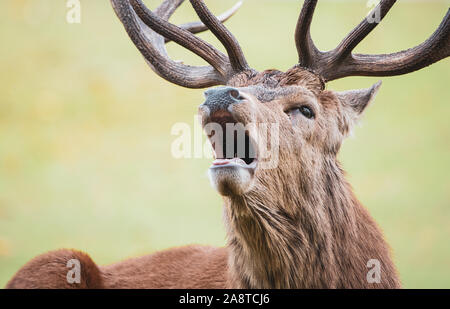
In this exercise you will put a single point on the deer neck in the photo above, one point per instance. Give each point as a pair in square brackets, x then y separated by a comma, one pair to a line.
[302, 233]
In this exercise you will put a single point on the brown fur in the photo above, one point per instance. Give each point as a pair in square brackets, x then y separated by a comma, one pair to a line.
[192, 267]
[299, 226]
[49, 271]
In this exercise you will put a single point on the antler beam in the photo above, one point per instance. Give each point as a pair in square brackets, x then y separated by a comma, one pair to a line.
[307, 51]
[340, 62]
[235, 53]
[151, 30]
[182, 37]
[198, 27]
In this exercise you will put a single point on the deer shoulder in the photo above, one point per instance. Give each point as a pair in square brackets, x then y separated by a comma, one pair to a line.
[190, 267]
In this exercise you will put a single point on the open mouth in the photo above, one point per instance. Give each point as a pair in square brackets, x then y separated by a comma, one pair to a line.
[233, 145]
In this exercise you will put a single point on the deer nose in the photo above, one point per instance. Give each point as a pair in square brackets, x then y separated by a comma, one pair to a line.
[221, 98]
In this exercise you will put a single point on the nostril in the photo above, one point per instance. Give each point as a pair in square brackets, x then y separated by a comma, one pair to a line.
[221, 98]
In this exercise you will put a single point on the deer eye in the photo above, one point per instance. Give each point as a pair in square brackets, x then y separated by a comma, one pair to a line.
[307, 112]
[304, 110]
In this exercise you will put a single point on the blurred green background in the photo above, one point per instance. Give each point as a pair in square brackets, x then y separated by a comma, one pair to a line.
[85, 139]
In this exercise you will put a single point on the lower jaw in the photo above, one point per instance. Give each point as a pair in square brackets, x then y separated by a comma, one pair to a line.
[234, 163]
[232, 179]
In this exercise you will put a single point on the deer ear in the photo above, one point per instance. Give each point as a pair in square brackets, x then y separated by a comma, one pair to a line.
[356, 101]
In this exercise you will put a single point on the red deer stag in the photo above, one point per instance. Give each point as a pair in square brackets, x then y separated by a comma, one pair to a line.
[296, 225]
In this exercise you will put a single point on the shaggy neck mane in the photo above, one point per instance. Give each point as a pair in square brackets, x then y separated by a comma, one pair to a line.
[310, 233]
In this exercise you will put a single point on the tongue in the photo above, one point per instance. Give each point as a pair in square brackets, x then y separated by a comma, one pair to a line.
[219, 162]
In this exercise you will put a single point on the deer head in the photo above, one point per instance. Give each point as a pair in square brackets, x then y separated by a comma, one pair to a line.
[313, 121]
[266, 206]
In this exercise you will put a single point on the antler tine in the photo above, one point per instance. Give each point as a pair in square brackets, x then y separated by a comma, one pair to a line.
[151, 46]
[340, 62]
[198, 27]
[363, 29]
[182, 37]
[237, 58]
[436, 48]
[166, 9]
[307, 51]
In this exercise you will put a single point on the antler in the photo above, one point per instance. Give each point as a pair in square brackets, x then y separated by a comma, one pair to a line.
[235, 53]
[198, 26]
[150, 30]
[340, 62]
